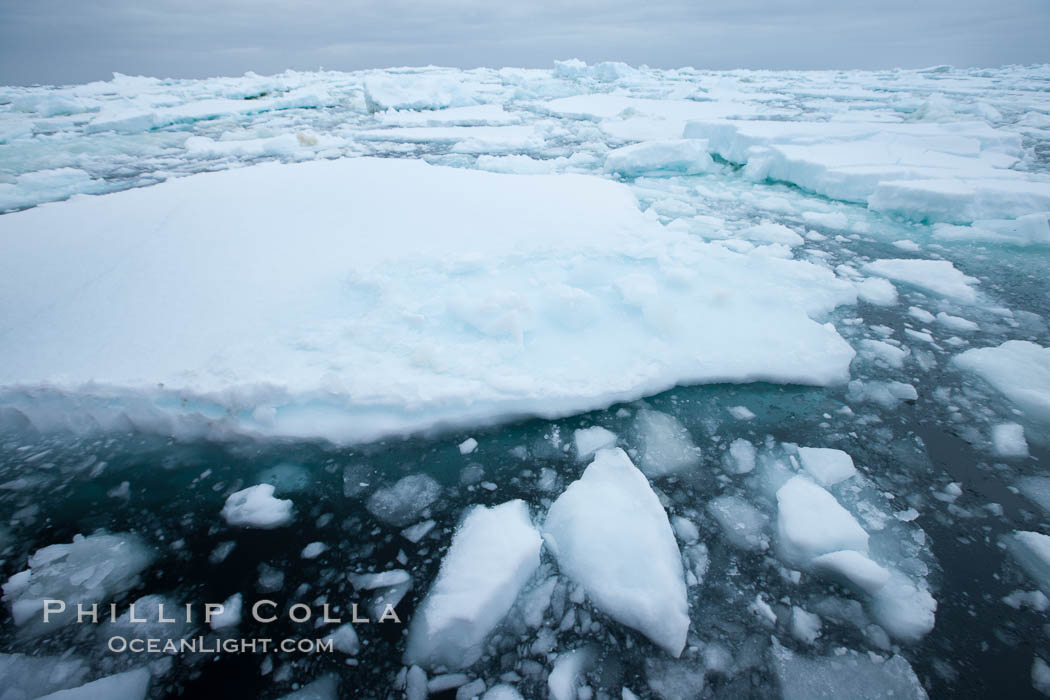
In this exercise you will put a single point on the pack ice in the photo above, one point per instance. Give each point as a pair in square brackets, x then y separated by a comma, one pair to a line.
[610, 534]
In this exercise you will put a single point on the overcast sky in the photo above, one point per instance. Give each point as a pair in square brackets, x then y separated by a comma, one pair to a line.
[68, 41]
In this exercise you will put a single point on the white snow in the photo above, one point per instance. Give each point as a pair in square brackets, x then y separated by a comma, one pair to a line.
[810, 522]
[376, 318]
[610, 535]
[589, 440]
[256, 507]
[827, 466]
[494, 552]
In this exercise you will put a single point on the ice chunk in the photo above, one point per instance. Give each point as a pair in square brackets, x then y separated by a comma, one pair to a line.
[1036, 489]
[665, 445]
[685, 529]
[743, 525]
[568, 669]
[890, 355]
[230, 616]
[854, 567]
[1041, 676]
[256, 507]
[90, 570]
[956, 323]
[1018, 369]
[468, 446]
[937, 276]
[1008, 440]
[768, 232]
[313, 550]
[851, 675]
[493, 553]
[878, 291]
[324, 688]
[130, 685]
[805, 626]
[740, 458]
[810, 522]
[406, 501]
[502, 691]
[610, 534]
[1032, 551]
[344, 639]
[683, 156]
[886, 394]
[24, 676]
[827, 466]
[590, 440]
[414, 533]
[904, 608]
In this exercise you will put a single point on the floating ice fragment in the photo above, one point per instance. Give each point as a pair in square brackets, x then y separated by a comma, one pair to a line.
[810, 522]
[827, 466]
[256, 507]
[406, 501]
[665, 445]
[468, 446]
[590, 440]
[610, 534]
[493, 553]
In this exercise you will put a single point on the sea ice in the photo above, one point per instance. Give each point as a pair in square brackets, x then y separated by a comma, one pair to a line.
[1020, 371]
[743, 525]
[810, 522]
[664, 443]
[937, 276]
[850, 675]
[130, 685]
[256, 507]
[740, 457]
[827, 466]
[494, 552]
[406, 501]
[391, 318]
[1008, 440]
[90, 570]
[685, 156]
[590, 440]
[610, 534]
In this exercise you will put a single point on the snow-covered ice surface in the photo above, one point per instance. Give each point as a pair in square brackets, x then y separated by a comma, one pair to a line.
[504, 350]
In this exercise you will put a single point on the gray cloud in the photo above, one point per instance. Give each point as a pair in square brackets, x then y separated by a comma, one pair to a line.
[64, 41]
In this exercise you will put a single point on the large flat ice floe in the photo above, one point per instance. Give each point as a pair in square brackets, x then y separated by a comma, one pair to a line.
[354, 298]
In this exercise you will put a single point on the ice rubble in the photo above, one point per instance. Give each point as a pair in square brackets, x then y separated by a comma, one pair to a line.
[664, 444]
[1032, 551]
[810, 522]
[406, 501]
[89, 570]
[611, 535]
[391, 318]
[24, 677]
[494, 552]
